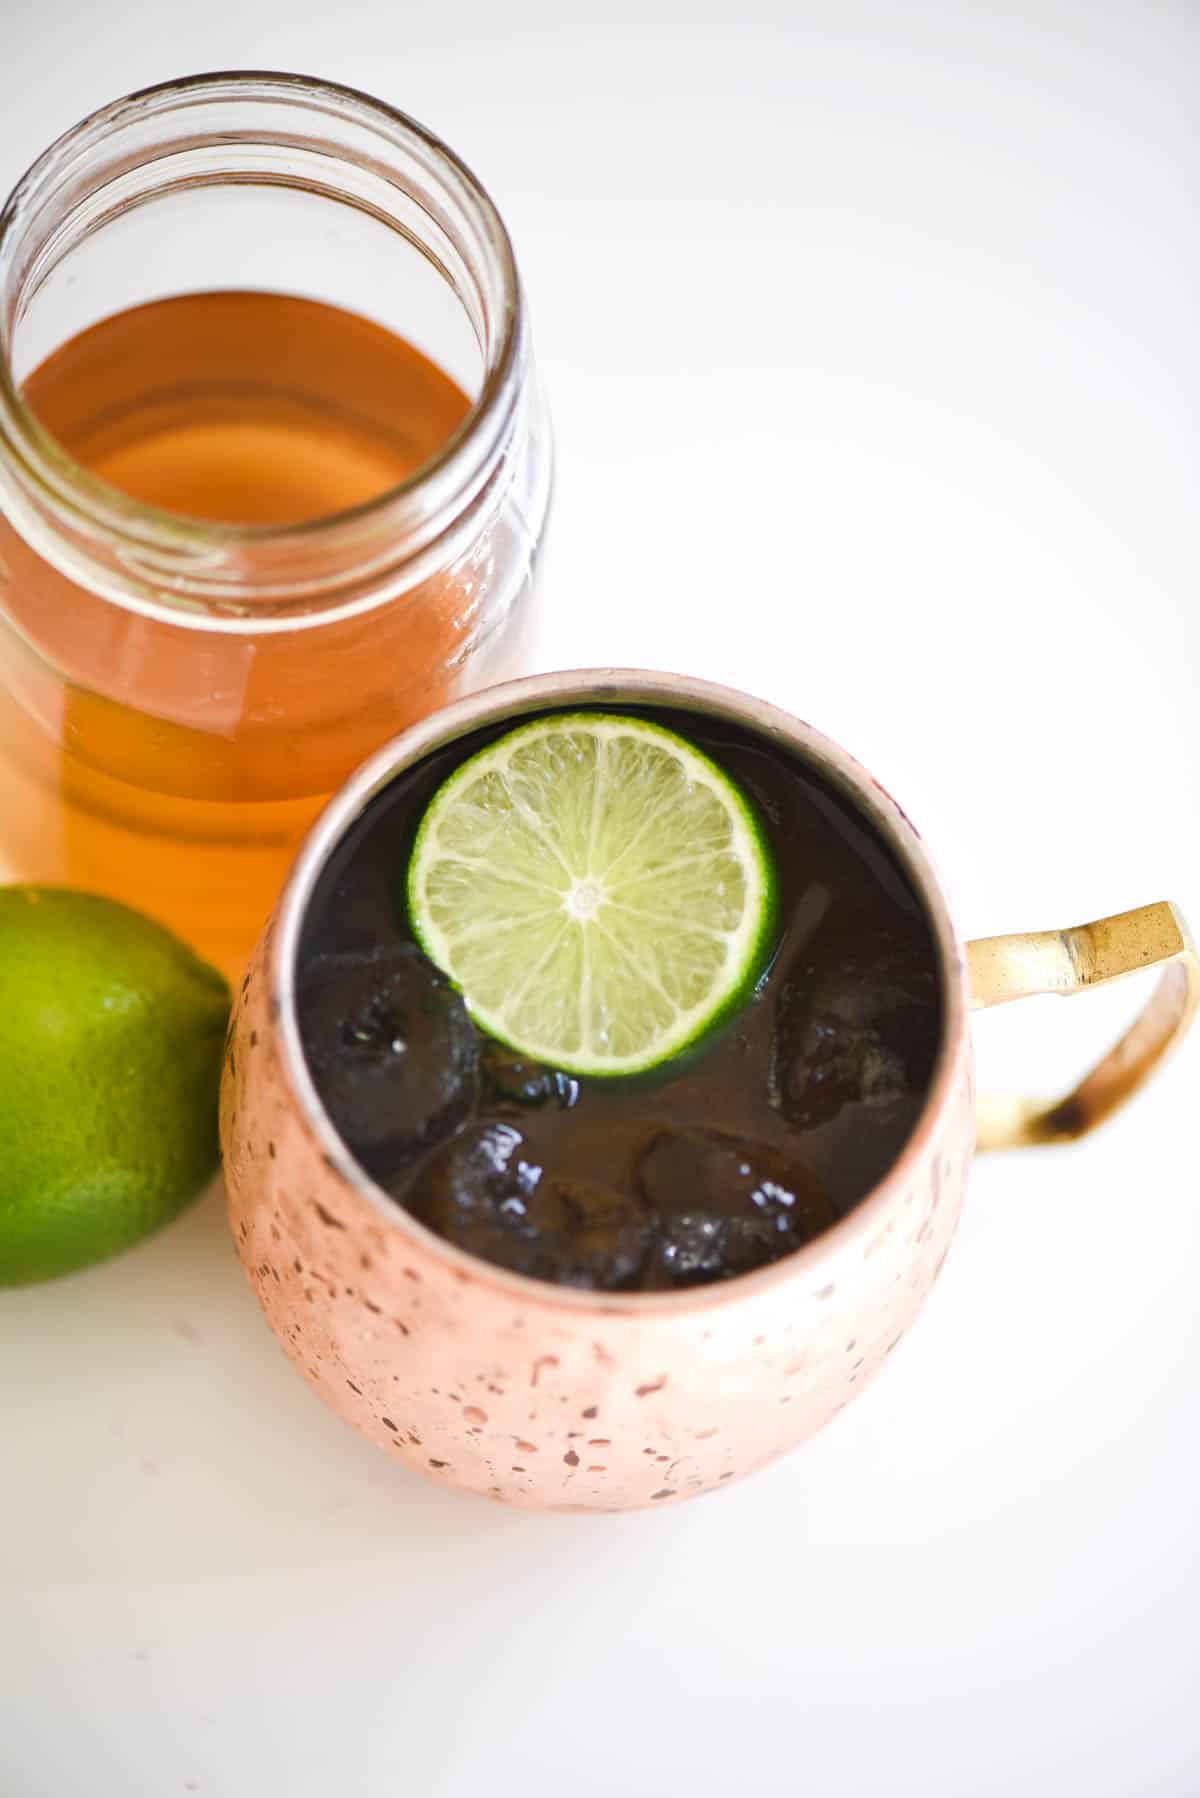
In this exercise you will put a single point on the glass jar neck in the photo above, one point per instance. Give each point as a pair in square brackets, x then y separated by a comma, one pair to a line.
[276, 131]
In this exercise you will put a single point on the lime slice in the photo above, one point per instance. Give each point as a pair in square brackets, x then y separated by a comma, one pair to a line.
[599, 891]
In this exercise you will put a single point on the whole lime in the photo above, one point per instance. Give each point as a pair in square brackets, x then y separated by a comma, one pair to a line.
[110, 1049]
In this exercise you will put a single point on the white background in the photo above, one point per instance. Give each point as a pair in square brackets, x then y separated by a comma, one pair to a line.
[870, 336]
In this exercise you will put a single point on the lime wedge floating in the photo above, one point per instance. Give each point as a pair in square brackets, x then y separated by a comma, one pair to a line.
[597, 889]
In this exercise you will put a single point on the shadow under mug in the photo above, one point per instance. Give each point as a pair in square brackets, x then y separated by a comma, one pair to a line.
[551, 1398]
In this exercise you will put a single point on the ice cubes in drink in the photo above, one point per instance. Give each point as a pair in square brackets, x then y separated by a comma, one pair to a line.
[512, 1082]
[391, 1049]
[857, 1023]
[724, 1205]
[488, 1193]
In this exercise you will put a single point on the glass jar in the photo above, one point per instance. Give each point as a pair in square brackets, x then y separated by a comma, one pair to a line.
[178, 696]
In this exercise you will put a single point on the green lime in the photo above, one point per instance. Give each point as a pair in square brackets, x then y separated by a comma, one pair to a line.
[110, 1050]
[600, 892]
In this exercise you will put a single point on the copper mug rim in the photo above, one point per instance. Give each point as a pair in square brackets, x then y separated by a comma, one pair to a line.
[617, 686]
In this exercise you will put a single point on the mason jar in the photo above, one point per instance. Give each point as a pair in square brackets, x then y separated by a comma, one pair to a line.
[180, 692]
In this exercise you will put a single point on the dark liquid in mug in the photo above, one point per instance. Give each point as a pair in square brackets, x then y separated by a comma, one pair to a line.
[724, 1160]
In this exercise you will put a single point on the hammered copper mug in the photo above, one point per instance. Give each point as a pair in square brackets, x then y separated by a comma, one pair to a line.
[551, 1398]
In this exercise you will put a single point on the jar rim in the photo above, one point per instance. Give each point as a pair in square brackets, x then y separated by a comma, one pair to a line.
[442, 484]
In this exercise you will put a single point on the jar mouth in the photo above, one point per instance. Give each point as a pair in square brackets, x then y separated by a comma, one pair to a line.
[97, 171]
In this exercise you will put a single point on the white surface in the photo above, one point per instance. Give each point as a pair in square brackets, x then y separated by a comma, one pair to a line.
[871, 341]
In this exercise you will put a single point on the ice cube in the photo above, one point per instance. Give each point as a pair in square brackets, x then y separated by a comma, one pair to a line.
[488, 1193]
[689, 1250]
[391, 1049]
[510, 1079]
[724, 1205]
[860, 1025]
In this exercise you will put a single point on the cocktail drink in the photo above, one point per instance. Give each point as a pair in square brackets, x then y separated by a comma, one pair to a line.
[599, 1101]
[765, 1126]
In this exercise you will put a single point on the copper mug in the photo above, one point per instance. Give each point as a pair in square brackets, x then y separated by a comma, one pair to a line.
[556, 1399]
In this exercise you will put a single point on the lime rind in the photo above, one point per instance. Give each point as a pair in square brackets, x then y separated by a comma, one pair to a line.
[600, 891]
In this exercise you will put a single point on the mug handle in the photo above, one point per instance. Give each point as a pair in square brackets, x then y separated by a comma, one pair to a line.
[1000, 968]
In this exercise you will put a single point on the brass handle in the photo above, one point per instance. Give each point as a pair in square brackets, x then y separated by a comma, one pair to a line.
[1001, 968]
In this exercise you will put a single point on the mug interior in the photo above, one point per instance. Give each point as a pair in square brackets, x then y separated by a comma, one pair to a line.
[617, 688]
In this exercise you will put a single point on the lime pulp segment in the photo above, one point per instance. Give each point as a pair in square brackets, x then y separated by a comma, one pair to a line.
[598, 889]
